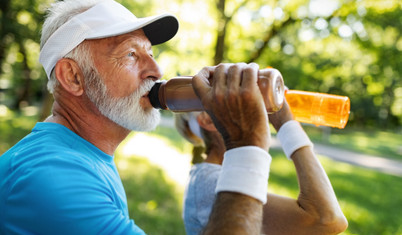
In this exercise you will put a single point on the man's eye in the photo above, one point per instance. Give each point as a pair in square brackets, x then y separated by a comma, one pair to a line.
[131, 54]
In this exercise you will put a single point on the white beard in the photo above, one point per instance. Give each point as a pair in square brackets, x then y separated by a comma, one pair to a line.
[127, 111]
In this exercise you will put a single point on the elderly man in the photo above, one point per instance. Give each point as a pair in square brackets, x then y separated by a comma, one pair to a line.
[61, 178]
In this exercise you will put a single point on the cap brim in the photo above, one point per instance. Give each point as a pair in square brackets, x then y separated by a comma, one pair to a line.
[161, 30]
[158, 29]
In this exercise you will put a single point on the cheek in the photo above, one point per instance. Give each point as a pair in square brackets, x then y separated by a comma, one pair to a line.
[123, 81]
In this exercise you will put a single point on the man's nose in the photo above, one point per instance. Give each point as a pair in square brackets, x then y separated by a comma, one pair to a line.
[152, 69]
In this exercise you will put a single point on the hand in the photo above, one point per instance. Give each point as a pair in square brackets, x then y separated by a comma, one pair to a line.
[282, 116]
[270, 82]
[230, 95]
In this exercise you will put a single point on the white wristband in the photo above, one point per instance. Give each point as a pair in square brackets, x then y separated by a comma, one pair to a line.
[292, 137]
[245, 170]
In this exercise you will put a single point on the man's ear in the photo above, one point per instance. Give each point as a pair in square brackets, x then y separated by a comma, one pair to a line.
[70, 76]
[205, 121]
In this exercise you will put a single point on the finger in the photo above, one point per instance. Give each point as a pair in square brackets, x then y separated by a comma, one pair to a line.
[219, 77]
[201, 82]
[250, 76]
[235, 76]
[219, 84]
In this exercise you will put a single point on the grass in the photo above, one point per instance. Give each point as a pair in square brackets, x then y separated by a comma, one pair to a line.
[370, 200]
[375, 142]
[154, 202]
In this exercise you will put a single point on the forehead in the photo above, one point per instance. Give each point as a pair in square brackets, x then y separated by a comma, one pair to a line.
[136, 38]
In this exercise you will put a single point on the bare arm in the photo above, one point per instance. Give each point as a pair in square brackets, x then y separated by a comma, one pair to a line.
[234, 213]
[316, 210]
[236, 107]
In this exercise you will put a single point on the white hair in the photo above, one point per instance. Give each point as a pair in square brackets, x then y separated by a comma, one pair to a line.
[126, 111]
[58, 14]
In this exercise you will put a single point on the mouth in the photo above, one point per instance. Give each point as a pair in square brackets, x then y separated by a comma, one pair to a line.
[147, 92]
[146, 100]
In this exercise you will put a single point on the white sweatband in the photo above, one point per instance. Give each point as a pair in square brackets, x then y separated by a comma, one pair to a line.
[292, 137]
[245, 170]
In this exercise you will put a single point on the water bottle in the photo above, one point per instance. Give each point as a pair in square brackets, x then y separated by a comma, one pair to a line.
[177, 94]
[320, 109]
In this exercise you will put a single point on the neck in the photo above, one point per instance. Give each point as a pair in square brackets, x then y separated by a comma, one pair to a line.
[216, 150]
[83, 118]
[215, 157]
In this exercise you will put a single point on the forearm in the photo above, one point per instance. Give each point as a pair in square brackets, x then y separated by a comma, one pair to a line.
[316, 196]
[315, 211]
[235, 213]
[230, 95]
[241, 191]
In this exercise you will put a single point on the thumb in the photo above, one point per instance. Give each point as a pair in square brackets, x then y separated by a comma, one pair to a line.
[201, 82]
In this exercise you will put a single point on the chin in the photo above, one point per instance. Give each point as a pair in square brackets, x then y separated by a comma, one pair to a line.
[146, 120]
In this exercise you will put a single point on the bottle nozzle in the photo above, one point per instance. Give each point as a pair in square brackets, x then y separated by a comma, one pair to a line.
[153, 96]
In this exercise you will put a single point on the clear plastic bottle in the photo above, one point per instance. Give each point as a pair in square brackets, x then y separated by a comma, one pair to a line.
[177, 93]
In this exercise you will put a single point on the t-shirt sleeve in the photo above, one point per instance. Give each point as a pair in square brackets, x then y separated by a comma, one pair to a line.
[64, 197]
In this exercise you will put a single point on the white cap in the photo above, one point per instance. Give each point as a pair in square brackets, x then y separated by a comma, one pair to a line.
[105, 19]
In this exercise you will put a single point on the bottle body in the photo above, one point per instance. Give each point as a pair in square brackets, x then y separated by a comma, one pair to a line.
[178, 95]
[319, 108]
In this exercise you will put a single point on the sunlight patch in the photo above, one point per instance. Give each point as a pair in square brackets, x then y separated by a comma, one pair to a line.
[175, 164]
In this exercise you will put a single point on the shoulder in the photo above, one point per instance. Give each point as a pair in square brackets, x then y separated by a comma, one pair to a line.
[205, 169]
[203, 174]
[200, 195]
[49, 146]
[64, 192]
[203, 180]
[45, 170]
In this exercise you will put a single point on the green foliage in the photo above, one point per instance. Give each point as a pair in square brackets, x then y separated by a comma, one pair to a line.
[350, 48]
[21, 76]
[369, 200]
[367, 141]
[154, 202]
[13, 126]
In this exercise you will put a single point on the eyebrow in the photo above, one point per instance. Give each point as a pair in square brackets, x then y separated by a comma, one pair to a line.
[135, 43]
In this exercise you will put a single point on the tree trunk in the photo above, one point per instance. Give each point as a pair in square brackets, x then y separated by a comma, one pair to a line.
[25, 88]
[4, 21]
[220, 38]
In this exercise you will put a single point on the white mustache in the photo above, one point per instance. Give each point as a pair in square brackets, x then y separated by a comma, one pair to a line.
[145, 87]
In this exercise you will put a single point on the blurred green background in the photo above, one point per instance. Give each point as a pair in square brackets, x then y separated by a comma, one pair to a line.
[350, 48]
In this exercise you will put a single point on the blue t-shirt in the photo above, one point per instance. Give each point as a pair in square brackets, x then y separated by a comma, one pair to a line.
[199, 196]
[55, 182]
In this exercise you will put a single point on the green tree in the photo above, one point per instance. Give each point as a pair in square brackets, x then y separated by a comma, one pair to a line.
[342, 47]
[20, 74]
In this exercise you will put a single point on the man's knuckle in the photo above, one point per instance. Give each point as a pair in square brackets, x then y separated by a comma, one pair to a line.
[219, 95]
[246, 94]
[248, 70]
